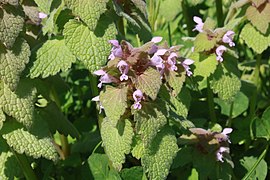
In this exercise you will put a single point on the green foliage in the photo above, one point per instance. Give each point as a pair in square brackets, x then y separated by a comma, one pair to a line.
[204, 43]
[175, 81]
[263, 125]
[149, 83]
[12, 2]
[114, 101]
[134, 173]
[92, 49]
[254, 39]
[159, 156]
[260, 171]
[52, 57]
[170, 9]
[116, 140]
[9, 166]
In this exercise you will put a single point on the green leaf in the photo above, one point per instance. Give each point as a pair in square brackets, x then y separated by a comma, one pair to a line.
[32, 13]
[114, 101]
[99, 166]
[159, 156]
[88, 10]
[89, 48]
[9, 166]
[194, 2]
[52, 57]
[170, 9]
[203, 43]
[260, 171]
[19, 107]
[240, 105]
[149, 82]
[24, 142]
[175, 81]
[254, 39]
[260, 19]
[117, 140]
[44, 5]
[262, 126]
[11, 24]
[134, 173]
[138, 148]
[2, 118]
[149, 120]
[12, 63]
[178, 107]
[226, 87]
[11, 2]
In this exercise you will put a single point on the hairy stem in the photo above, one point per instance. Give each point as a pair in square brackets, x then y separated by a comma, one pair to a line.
[25, 166]
[219, 12]
[211, 105]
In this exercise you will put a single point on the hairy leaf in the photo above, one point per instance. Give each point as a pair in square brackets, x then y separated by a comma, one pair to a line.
[24, 142]
[204, 43]
[205, 65]
[2, 118]
[88, 10]
[149, 120]
[32, 13]
[175, 81]
[149, 82]
[254, 39]
[12, 63]
[52, 57]
[11, 24]
[44, 5]
[20, 108]
[117, 140]
[259, 19]
[178, 107]
[138, 148]
[92, 50]
[159, 156]
[114, 101]
[226, 87]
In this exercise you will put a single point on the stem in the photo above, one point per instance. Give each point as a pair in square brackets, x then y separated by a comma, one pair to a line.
[152, 14]
[211, 105]
[121, 26]
[233, 9]
[25, 166]
[187, 18]
[247, 176]
[96, 147]
[64, 145]
[138, 40]
[219, 12]
[229, 122]
[170, 35]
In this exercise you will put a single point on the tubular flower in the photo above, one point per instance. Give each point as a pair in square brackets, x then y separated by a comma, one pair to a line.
[123, 68]
[42, 15]
[228, 38]
[220, 152]
[219, 52]
[224, 135]
[199, 26]
[137, 96]
[105, 77]
[186, 63]
[154, 47]
[116, 50]
[96, 99]
[172, 61]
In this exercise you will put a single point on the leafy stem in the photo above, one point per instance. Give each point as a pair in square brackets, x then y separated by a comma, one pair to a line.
[211, 105]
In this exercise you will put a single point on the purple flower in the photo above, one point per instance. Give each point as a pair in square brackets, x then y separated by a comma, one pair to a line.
[105, 77]
[123, 68]
[116, 50]
[154, 47]
[199, 26]
[156, 39]
[96, 99]
[220, 152]
[137, 96]
[172, 61]
[219, 51]
[186, 63]
[225, 133]
[157, 61]
[228, 38]
[42, 15]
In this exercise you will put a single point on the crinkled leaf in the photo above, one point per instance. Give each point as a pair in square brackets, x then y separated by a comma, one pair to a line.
[159, 156]
[12, 63]
[11, 24]
[240, 105]
[204, 43]
[117, 140]
[24, 142]
[175, 81]
[149, 120]
[178, 107]
[205, 65]
[138, 148]
[254, 39]
[9, 166]
[263, 125]
[44, 5]
[12, 2]
[32, 13]
[88, 10]
[20, 108]
[92, 50]
[52, 57]
[260, 19]
[114, 101]
[2, 118]
[149, 82]
[226, 87]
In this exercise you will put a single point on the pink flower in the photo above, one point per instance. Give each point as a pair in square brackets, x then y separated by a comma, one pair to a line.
[220, 152]
[186, 63]
[219, 52]
[105, 77]
[199, 26]
[137, 96]
[154, 47]
[225, 133]
[123, 68]
[42, 15]
[228, 38]
[96, 99]
[116, 50]
[172, 61]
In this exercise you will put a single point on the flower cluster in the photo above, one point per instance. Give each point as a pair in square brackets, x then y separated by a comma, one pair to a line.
[220, 140]
[127, 63]
[227, 38]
